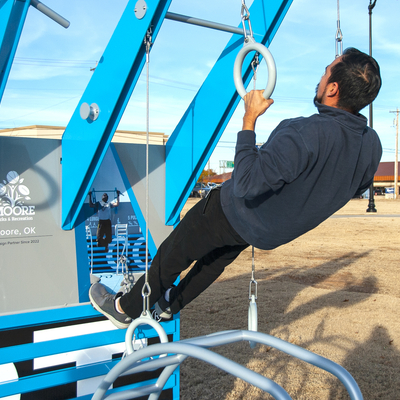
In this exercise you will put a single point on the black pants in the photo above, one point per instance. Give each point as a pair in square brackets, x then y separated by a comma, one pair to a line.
[204, 235]
[104, 232]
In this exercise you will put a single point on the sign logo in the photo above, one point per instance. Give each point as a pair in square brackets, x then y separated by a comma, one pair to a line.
[12, 197]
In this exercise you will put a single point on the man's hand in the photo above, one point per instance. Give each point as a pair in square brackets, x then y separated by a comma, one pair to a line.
[254, 106]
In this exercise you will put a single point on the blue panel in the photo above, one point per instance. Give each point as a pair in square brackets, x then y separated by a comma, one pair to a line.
[12, 18]
[138, 212]
[198, 132]
[33, 350]
[85, 142]
[42, 381]
[14, 321]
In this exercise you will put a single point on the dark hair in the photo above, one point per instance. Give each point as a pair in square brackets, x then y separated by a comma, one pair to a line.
[359, 79]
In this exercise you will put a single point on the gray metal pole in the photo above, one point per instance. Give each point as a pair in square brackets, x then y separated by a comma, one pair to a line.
[204, 23]
[50, 13]
[371, 202]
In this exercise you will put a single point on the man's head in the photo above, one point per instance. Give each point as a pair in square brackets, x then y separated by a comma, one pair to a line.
[104, 197]
[351, 82]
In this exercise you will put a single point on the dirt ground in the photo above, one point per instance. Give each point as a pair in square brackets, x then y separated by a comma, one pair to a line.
[334, 291]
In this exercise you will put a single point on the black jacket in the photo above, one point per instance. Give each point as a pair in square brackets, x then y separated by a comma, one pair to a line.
[307, 170]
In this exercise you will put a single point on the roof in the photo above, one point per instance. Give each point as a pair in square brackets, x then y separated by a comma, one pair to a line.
[385, 171]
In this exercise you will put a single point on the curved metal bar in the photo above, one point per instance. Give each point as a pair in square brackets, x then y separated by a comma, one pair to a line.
[197, 347]
[226, 337]
[237, 68]
[217, 360]
[164, 376]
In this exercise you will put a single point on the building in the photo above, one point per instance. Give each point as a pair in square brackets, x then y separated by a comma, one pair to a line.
[56, 132]
[384, 176]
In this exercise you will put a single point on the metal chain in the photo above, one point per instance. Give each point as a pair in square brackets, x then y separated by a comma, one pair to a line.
[146, 290]
[254, 65]
[245, 16]
[339, 36]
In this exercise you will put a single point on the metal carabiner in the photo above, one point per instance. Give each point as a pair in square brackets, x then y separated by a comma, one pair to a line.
[146, 291]
[254, 66]
[147, 42]
[251, 292]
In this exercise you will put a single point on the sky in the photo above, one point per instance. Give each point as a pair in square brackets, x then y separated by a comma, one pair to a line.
[52, 65]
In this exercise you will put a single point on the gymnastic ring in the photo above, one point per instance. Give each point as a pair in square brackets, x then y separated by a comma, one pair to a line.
[237, 68]
[252, 318]
[144, 320]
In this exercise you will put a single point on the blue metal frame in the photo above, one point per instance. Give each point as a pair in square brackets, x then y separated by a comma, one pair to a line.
[30, 351]
[85, 142]
[191, 144]
[12, 19]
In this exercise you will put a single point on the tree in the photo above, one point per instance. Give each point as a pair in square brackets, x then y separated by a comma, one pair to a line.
[206, 175]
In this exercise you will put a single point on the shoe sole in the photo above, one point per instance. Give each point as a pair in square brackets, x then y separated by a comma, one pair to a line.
[163, 314]
[118, 324]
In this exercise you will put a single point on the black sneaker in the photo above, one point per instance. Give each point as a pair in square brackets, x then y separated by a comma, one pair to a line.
[162, 309]
[104, 302]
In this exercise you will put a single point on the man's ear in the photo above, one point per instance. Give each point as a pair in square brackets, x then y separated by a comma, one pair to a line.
[332, 89]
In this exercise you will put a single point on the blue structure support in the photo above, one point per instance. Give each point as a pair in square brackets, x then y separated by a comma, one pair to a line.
[86, 140]
[198, 132]
[12, 19]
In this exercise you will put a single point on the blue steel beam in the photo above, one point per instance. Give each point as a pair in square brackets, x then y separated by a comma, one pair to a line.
[195, 137]
[12, 19]
[85, 141]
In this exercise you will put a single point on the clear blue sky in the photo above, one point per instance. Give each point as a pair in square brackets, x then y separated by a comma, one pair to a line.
[52, 64]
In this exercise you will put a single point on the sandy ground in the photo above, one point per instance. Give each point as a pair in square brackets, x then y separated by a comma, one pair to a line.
[334, 291]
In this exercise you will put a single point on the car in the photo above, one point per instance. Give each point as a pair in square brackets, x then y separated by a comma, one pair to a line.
[200, 190]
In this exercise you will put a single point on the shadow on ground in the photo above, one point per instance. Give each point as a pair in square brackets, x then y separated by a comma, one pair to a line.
[318, 308]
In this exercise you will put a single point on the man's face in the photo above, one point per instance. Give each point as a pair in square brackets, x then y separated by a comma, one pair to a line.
[322, 86]
[105, 198]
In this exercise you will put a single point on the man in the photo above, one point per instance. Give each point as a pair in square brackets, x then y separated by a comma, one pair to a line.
[307, 170]
[104, 229]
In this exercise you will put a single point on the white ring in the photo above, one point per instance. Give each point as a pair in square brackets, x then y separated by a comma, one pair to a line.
[144, 320]
[237, 69]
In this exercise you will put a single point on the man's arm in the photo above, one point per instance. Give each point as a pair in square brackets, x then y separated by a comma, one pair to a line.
[91, 204]
[279, 161]
[116, 203]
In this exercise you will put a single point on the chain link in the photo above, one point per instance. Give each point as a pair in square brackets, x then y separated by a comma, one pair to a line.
[339, 35]
[146, 290]
[245, 16]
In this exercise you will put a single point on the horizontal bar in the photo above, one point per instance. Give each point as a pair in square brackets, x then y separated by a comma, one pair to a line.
[50, 13]
[204, 23]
